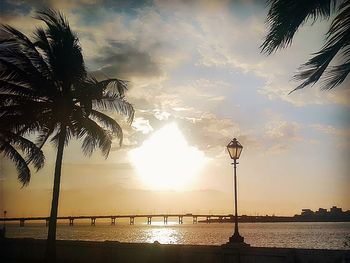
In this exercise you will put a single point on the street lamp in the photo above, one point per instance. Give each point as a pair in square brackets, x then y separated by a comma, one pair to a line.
[234, 149]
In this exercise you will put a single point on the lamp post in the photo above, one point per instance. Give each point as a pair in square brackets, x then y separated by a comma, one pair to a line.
[5, 212]
[3, 230]
[234, 149]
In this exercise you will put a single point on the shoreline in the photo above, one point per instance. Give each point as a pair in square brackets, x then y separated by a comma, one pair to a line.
[271, 220]
[32, 250]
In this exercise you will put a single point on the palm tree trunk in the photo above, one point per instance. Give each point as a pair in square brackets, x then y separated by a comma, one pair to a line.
[50, 254]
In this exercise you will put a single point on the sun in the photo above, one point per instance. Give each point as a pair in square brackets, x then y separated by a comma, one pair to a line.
[165, 161]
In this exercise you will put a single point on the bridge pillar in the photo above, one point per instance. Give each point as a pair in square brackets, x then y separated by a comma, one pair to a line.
[181, 220]
[132, 220]
[93, 221]
[71, 221]
[21, 222]
[208, 219]
[195, 220]
[113, 221]
[47, 221]
[165, 220]
[149, 220]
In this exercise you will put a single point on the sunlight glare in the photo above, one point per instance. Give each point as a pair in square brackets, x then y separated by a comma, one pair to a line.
[165, 161]
[163, 235]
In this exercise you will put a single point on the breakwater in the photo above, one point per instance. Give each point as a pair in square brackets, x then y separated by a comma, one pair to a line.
[32, 250]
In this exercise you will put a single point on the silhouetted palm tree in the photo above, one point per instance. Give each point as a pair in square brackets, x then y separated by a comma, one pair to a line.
[46, 80]
[330, 65]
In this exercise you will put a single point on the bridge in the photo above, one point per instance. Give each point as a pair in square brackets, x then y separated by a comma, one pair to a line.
[114, 218]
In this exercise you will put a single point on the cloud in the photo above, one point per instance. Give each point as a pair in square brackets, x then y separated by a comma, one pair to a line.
[226, 45]
[329, 129]
[142, 125]
[126, 60]
[278, 88]
[193, 62]
[25, 6]
[278, 148]
[280, 135]
[184, 31]
[282, 130]
[194, 5]
[208, 131]
[204, 130]
[11, 8]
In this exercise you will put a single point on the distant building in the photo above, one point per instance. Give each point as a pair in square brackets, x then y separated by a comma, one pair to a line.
[321, 212]
[307, 212]
[336, 211]
[335, 214]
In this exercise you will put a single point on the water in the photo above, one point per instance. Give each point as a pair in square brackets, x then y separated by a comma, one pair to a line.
[297, 235]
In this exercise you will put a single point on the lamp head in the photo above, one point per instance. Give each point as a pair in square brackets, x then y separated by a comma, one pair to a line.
[234, 149]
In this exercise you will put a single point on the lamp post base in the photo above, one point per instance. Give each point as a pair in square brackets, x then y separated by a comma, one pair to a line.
[236, 241]
[236, 238]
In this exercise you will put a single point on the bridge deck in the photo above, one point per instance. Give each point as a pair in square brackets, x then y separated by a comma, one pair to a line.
[117, 216]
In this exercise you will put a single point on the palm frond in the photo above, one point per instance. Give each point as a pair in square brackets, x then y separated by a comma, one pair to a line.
[10, 142]
[24, 106]
[285, 17]
[114, 87]
[335, 76]
[56, 134]
[41, 41]
[44, 133]
[12, 72]
[63, 43]
[14, 99]
[32, 153]
[10, 88]
[108, 123]
[92, 134]
[95, 136]
[20, 42]
[22, 168]
[337, 45]
[22, 60]
[16, 70]
[115, 104]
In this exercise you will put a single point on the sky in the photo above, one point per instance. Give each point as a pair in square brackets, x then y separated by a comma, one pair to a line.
[197, 79]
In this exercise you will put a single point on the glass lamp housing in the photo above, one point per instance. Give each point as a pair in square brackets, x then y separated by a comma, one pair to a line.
[234, 149]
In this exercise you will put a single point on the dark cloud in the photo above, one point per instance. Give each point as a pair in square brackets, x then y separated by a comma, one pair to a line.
[23, 7]
[124, 60]
[87, 8]
[11, 8]
[89, 13]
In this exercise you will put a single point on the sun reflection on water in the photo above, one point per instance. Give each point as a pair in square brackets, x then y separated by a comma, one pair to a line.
[161, 223]
[163, 235]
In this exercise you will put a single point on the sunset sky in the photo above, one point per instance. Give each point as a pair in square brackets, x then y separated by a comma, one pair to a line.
[197, 80]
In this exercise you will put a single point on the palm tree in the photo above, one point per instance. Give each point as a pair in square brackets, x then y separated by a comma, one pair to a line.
[47, 80]
[330, 65]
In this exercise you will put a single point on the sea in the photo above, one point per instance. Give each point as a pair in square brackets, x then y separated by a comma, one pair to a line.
[325, 235]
